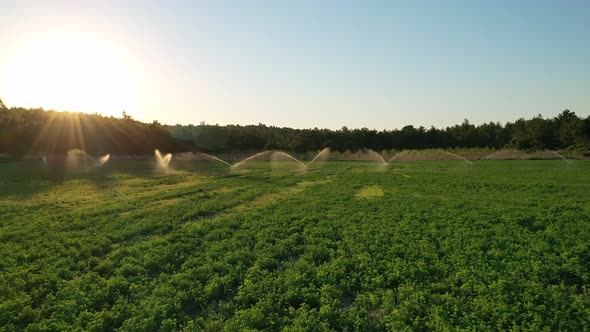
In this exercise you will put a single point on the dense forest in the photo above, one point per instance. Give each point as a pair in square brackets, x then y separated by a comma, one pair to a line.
[25, 131]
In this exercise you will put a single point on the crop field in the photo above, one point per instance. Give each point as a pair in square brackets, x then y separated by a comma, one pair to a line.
[428, 245]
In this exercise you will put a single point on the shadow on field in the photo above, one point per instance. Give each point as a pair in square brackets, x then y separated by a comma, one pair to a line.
[22, 180]
[25, 179]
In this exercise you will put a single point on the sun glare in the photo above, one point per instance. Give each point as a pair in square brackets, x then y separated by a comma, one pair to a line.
[72, 72]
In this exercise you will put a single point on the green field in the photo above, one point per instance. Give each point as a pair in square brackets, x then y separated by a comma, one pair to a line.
[343, 246]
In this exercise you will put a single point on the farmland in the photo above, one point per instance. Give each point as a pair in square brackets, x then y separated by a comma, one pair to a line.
[343, 246]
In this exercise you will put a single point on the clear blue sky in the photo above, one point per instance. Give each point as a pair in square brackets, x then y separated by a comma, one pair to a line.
[375, 64]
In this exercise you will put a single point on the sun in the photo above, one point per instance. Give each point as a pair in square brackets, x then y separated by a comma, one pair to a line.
[72, 72]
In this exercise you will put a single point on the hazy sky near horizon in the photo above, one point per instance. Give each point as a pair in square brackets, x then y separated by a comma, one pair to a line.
[375, 64]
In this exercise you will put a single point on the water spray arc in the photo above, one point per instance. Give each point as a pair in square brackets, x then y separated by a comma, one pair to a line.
[397, 155]
[75, 156]
[560, 156]
[259, 154]
[378, 156]
[381, 159]
[163, 161]
[103, 160]
[457, 156]
[486, 157]
[208, 156]
[324, 152]
[284, 154]
[275, 156]
[321, 154]
[516, 154]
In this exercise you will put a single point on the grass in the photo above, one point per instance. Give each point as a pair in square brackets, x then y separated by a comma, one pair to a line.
[343, 246]
[369, 192]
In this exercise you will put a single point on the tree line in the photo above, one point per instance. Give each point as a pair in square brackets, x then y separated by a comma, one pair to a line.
[34, 130]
